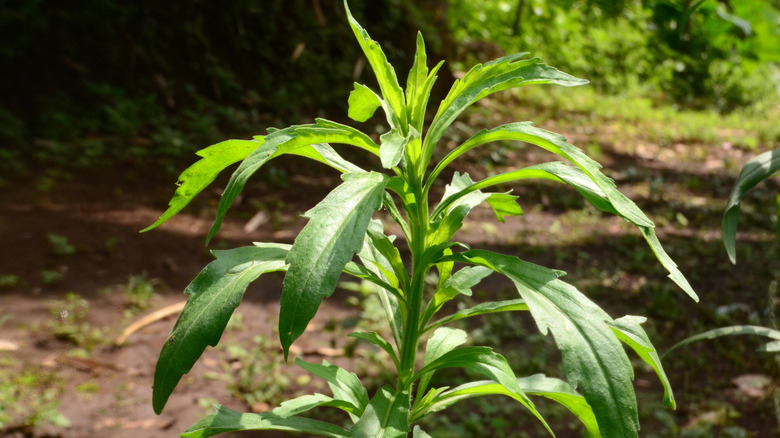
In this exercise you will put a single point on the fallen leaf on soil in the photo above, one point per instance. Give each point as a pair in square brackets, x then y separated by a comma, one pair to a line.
[149, 319]
[752, 385]
[86, 365]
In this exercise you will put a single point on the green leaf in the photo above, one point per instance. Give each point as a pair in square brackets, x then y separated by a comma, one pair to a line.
[419, 85]
[581, 182]
[198, 176]
[308, 402]
[730, 331]
[334, 233]
[227, 420]
[525, 131]
[385, 246]
[482, 80]
[345, 385]
[592, 357]
[214, 295]
[419, 433]
[629, 330]
[443, 340]
[297, 140]
[391, 147]
[563, 393]
[485, 362]
[374, 338]
[463, 202]
[459, 283]
[756, 170]
[385, 417]
[504, 204]
[362, 103]
[385, 73]
[482, 309]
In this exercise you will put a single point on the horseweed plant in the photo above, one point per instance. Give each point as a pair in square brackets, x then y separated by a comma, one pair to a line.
[341, 227]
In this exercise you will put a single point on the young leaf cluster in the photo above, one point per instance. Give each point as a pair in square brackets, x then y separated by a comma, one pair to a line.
[343, 237]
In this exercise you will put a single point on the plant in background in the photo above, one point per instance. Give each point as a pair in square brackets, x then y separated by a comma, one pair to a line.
[342, 238]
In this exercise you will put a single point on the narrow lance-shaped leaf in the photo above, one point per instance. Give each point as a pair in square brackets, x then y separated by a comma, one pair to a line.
[198, 176]
[459, 283]
[334, 233]
[305, 403]
[214, 295]
[629, 330]
[449, 221]
[592, 357]
[296, 140]
[345, 385]
[482, 80]
[756, 170]
[385, 73]
[444, 340]
[385, 417]
[538, 384]
[227, 420]
[527, 132]
[581, 182]
[374, 338]
[485, 362]
[482, 309]
[731, 331]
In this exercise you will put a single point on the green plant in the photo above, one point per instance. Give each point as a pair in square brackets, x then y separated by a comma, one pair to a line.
[341, 226]
[69, 322]
[140, 290]
[60, 245]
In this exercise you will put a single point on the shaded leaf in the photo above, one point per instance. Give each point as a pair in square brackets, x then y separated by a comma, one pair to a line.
[592, 357]
[629, 330]
[214, 295]
[731, 331]
[374, 338]
[459, 283]
[753, 172]
[308, 402]
[385, 417]
[443, 340]
[482, 309]
[334, 233]
[345, 385]
[227, 420]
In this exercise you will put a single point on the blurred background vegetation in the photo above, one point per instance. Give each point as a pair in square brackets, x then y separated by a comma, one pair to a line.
[96, 80]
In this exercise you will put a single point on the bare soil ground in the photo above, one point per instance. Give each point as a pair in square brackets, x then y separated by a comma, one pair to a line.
[108, 391]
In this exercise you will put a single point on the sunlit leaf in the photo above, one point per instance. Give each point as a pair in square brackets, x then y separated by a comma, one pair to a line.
[482, 309]
[443, 340]
[504, 204]
[362, 103]
[345, 385]
[214, 294]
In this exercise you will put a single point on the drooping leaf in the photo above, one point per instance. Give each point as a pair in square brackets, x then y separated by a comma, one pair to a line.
[580, 181]
[345, 385]
[308, 402]
[293, 140]
[385, 73]
[485, 362]
[504, 204]
[385, 417]
[730, 331]
[214, 295]
[527, 132]
[482, 309]
[538, 384]
[629, 330]
[592, 356]
[198, 176]
[443, 340]
[374, 338]
[227, 420]
[334, 233]
[753, 172]
[362, 103]
[482, 80]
